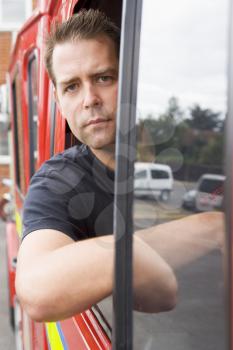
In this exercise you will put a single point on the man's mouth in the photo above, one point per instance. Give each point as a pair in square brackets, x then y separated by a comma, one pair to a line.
[96, 121]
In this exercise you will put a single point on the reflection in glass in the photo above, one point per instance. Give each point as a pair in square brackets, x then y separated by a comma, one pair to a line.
[33, 95]
[4, 150]
[179, 171]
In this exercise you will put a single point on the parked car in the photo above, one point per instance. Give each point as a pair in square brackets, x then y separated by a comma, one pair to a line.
[189, 200]
[208, 194]
[152, 179]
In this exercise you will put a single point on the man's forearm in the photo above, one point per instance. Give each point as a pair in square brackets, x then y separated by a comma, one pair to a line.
[182, 241]
[69, 279]
[65, 281]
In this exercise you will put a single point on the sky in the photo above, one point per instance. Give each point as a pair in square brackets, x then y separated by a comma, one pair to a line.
[183, 53]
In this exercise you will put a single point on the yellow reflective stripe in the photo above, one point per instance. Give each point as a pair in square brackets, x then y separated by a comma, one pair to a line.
[19, 225]
[54, 336]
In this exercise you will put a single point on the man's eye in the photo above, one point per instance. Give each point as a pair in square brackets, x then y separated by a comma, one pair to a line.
[104, 78]
[71, 87]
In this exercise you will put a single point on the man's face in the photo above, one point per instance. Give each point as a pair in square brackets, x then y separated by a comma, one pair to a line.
[86, 73]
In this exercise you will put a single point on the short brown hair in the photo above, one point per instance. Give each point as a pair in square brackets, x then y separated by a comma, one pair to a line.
[87, 24]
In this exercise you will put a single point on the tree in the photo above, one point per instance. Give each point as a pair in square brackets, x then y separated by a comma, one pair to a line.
[204, 119]
[212, 153]
[174, 111]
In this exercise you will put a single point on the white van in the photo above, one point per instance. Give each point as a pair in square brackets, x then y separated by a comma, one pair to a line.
[151, 179]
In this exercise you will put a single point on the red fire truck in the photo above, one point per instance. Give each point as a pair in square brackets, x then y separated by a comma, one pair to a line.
[178, 103]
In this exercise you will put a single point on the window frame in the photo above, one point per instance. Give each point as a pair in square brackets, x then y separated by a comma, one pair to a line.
[15, 132]
[125, 141]
[228, 194]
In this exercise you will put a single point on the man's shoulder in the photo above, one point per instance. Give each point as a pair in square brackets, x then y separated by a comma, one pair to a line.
[76, 157]
[74, 153]
[64, 171]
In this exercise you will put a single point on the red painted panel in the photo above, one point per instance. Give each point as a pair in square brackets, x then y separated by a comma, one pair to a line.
[73, 336]
[94, 334]
[39, 338]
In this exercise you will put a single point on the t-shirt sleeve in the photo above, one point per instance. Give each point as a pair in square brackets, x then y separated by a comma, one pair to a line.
[47, 205]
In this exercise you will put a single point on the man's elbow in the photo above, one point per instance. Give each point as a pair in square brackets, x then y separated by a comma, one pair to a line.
[31, 299]
[157, 299]
[169, 301]
[168, 297]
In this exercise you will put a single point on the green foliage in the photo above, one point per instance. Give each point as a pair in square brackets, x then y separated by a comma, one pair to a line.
[203, 119]
[212, 153]
[198, 138]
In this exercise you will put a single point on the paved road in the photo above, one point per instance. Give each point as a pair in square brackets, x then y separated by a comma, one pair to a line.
[6, 335]
[198, 320]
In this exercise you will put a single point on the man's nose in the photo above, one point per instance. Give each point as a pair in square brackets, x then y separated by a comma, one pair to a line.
[91, 97]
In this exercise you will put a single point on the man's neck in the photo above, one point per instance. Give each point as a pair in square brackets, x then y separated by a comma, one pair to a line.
[106, 156]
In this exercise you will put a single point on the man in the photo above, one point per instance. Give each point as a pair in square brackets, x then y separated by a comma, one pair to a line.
[71, 197]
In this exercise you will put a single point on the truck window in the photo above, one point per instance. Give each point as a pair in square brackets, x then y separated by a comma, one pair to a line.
[4, 150]
[180, 119]
[33, 110]
[4, 124]
[18, 135]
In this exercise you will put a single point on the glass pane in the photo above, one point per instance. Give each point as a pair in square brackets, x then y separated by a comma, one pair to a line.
[4, 125]
[18, 134]
[33, 100]
[179, 175]
[105, 308]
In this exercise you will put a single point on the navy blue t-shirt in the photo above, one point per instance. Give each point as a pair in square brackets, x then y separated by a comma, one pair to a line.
[73, 192]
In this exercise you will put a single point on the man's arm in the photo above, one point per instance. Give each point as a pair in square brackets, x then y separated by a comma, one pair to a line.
[182, 241]
[57, 278]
